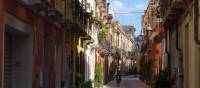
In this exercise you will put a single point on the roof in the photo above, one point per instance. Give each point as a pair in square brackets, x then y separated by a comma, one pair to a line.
[128, 29]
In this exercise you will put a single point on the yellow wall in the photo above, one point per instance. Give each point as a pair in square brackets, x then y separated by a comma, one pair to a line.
[191, 53]
[191, 57]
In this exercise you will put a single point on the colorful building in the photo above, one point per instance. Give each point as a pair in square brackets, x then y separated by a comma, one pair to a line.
[153, 40]
[42, 43]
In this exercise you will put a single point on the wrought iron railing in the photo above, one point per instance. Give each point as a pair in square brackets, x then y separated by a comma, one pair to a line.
[164, 6]
[79, 12]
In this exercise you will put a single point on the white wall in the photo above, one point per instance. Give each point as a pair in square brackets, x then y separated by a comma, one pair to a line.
[89, 65]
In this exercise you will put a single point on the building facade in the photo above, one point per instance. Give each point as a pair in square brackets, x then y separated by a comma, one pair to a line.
[42, 43]
[151, 24]
[182, 41]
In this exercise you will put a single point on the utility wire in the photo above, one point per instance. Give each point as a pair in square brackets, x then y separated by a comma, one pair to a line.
[127, 12]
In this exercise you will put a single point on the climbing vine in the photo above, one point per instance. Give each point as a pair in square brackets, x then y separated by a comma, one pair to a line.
[98, 75]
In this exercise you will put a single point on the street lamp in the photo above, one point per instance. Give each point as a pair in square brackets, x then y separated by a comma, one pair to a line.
[142, 33]
[149, 28]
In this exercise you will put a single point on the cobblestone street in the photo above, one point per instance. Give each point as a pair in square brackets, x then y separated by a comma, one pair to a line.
[127, 82]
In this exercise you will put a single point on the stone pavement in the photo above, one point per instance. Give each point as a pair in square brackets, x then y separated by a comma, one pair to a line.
[127, 82]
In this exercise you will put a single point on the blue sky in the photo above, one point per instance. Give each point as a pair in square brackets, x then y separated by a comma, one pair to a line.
[124, 12]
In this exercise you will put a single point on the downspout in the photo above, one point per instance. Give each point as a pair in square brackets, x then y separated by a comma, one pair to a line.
[177, 38]
[63, 81]
[196, 21]
[168, 53]
[180, 73]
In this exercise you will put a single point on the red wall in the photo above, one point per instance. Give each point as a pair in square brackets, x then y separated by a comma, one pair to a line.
[13, 7]
[40, 26]
[156, 52]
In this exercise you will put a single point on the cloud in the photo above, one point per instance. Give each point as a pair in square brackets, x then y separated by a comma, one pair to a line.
[119, 8]
[140, 7]
[116, 5]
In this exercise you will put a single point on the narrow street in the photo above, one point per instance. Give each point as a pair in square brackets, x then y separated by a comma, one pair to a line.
[87, 43]
[127, 82]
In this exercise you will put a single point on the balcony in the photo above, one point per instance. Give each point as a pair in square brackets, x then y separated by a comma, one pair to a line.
[101, 4]
[79, 16]
[38, 6]
[172, 9]
[59, 5]
[99, 1]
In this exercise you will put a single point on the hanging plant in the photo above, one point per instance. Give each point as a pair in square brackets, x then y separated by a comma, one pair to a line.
[103, 34]
[98, 23]
[112, 70]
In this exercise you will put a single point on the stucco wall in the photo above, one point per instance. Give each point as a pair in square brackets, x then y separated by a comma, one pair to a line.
[58, 66]
[22, 62]
[190, 62]
[187, 43]
[22, 51]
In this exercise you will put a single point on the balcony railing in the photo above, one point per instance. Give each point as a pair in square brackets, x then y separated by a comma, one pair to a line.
[172, 9]
[79, 14]
[66, 11]
[59, 5]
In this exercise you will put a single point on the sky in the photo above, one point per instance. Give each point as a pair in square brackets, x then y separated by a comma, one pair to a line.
[129, 12]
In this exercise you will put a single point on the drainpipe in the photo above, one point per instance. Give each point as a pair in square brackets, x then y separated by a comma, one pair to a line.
[63, 82]
[196, 21]
[168, 53]
[177, 38]
[181, 75]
